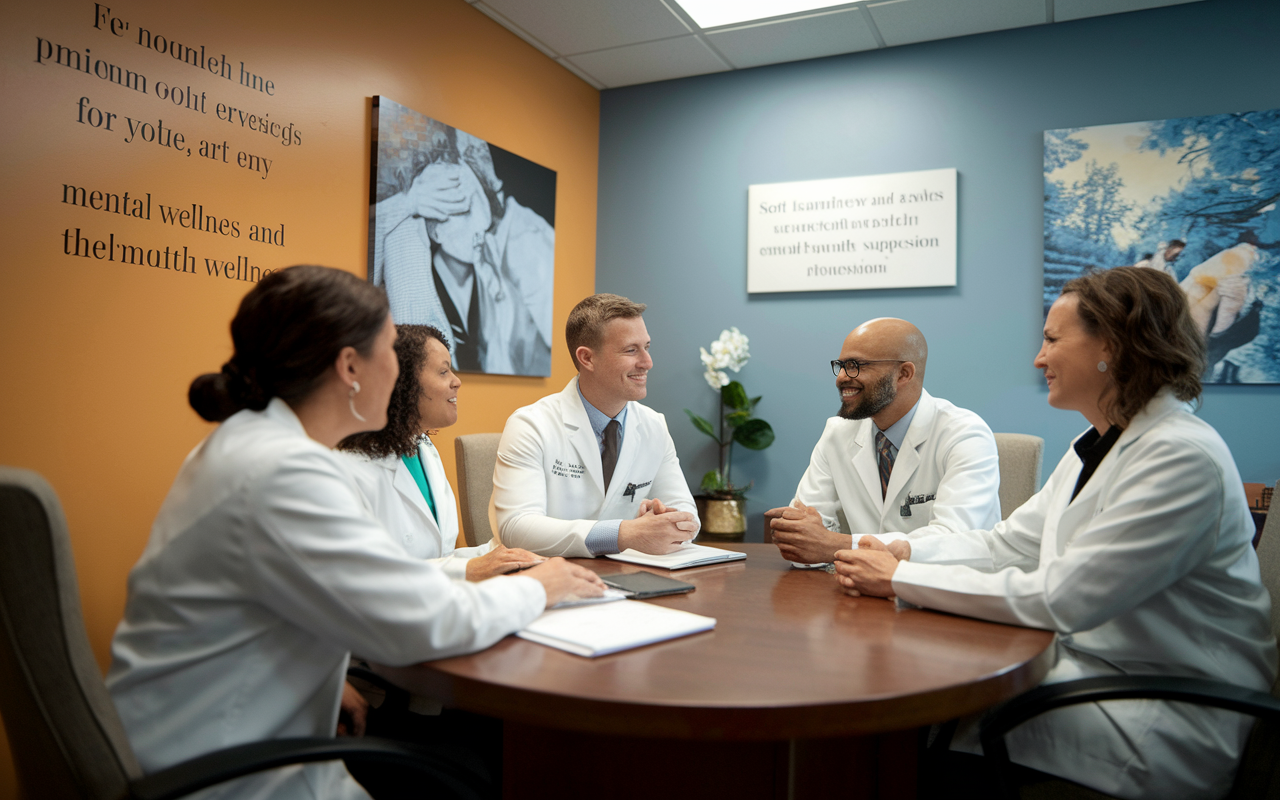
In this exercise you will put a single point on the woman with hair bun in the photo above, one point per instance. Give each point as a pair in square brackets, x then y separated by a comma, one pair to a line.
[264, 568]
[1137, 552]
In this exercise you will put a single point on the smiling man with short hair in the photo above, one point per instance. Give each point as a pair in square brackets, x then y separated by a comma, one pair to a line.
[895, 459]
[591, 471]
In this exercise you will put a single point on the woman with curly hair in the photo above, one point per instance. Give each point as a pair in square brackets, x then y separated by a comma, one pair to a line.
[399, 470]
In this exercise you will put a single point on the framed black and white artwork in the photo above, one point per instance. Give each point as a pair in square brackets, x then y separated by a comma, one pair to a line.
[462, 236]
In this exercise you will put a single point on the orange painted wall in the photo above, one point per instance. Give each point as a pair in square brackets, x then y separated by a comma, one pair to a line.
[97, 356]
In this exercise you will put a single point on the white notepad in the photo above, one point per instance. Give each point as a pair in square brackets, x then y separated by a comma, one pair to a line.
[690, 555]
[598, 630]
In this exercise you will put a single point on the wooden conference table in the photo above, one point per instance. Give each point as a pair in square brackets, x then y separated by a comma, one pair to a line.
[800, 691]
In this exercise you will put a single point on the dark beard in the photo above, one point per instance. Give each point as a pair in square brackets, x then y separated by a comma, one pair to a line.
[874, 399]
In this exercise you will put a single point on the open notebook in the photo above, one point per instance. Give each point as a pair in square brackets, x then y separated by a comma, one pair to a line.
[690, 555]
[597, 630]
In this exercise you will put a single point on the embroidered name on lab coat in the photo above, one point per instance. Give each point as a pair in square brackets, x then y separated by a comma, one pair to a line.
[631, 489]
[563, 470]
[914, 500]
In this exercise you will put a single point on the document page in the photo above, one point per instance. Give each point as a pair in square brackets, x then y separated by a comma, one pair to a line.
[598, 630]
[690, 555]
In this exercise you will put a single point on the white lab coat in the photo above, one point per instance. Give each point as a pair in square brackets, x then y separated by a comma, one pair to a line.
[1150, 570]
[263, 569]
[548, 484]
[948, 460]
[393, 495]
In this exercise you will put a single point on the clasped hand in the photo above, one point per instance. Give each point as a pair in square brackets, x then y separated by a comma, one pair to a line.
[801, 537]
[657, 530]
[869, 569]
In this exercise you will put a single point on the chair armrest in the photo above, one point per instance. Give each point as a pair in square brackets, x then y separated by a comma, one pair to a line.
[235, 762]
[396, 697]
[1199, 691]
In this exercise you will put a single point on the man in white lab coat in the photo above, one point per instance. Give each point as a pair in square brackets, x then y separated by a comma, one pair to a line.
[591, 471]
[896, 460]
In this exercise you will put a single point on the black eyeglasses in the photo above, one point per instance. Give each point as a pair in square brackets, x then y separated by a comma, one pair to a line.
[852, 367]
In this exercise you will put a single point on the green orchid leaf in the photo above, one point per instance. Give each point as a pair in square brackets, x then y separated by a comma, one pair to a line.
[754, 434]
[736, 418]
[754, 401]
[702, 425]
[711, 482]
[734, 396]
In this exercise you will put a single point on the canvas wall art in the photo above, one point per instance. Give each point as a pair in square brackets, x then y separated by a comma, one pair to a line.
[462, 236]
[1195, 197]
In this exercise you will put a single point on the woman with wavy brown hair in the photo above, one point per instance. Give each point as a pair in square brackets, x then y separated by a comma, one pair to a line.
[1137, 552]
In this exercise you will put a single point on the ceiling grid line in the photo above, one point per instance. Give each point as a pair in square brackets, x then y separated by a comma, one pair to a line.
[615, 43]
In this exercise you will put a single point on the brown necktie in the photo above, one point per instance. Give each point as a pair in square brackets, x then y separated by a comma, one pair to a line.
[609, 455]
[885, 452]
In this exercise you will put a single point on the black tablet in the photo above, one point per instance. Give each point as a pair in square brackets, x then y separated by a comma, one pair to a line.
[646, 584]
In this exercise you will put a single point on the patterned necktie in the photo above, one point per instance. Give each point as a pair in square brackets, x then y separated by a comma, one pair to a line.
[885, 454]
[609, 455]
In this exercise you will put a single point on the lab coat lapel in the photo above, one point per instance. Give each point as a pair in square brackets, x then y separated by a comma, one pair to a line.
[408, 488]
[864, 460]
[578, 432]
[441, 491]
[1085, 506]
[908, 459]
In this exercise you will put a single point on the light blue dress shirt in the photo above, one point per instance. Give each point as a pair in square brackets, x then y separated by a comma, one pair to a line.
[898, 430]
[603, 536]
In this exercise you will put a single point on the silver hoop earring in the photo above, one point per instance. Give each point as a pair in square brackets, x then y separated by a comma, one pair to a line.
[1102, 366]
[351, 401]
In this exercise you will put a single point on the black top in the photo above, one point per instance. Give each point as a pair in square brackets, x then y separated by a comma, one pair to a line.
[1092, 448]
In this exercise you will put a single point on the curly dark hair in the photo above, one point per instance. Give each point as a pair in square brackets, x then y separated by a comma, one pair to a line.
[404, 425]
[1143, 316]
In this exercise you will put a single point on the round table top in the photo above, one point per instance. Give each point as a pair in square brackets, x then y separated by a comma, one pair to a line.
[791, 656]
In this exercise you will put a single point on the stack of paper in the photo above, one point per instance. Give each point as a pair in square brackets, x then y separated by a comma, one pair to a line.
[598, 630]
[690, 555]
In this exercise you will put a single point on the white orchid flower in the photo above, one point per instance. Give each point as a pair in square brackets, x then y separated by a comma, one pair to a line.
[715, 378]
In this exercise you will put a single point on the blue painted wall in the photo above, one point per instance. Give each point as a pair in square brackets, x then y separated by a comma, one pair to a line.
[676, 159]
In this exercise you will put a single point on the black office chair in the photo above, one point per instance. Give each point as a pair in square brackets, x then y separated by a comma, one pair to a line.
[65, 735]
[1259, 772]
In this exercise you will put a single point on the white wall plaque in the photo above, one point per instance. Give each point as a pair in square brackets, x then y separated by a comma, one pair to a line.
[870, 232]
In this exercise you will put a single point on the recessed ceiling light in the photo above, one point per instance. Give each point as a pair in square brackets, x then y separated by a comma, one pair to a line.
[716, 13]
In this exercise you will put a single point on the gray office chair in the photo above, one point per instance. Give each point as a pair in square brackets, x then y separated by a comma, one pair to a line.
[68, 742]
[1259, 773]
[476, 454]
[1020, 456]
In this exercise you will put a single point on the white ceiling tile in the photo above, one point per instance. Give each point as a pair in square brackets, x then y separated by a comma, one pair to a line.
[580, 26]
[1064, 10]
[907, 21]
[795, 39]
[651, 61]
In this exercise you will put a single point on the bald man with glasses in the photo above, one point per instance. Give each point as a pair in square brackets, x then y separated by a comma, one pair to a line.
[895, 460]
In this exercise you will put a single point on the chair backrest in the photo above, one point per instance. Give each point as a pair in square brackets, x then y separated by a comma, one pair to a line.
[1269, 564]
[1020, 456]
[476, 454]
[65, 735]
[1259, 772]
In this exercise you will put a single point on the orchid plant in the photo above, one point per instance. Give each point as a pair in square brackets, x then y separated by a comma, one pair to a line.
[737, 425]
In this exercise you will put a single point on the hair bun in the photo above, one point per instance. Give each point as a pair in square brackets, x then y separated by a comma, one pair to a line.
[210, 396]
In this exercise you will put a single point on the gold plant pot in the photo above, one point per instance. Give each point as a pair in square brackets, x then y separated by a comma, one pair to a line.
[722, 520]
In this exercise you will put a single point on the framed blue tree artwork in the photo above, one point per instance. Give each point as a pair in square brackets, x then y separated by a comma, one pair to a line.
[1195, 197]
